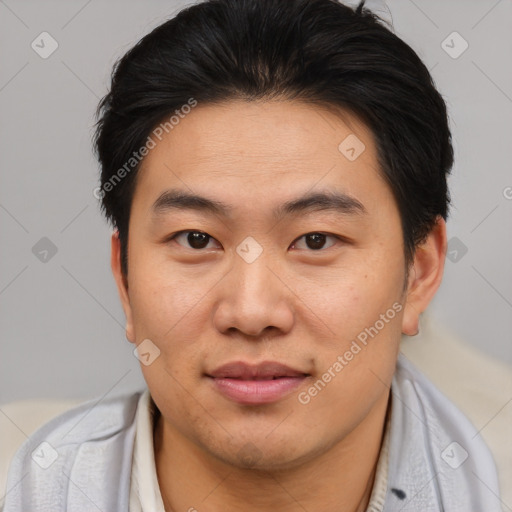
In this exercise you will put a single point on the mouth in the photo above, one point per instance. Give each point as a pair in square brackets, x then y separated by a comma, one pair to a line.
[264, 383]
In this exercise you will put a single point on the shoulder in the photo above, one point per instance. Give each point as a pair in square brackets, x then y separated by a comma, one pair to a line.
[431, 436]
[410, 381]
[89, 421]
[478, 384]
[431, 407]
[91, 441]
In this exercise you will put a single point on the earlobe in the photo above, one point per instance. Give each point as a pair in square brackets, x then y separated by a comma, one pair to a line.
[425, 277]
[122, 284]
[410, 320]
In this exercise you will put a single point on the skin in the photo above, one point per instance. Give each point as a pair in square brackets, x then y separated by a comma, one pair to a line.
[294, 304]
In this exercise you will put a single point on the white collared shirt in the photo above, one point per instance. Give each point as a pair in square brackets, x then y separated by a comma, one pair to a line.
[144, 489]
[145, 493]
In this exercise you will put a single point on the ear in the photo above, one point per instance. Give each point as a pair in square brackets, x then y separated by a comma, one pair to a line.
[122, 284]
[425, 276]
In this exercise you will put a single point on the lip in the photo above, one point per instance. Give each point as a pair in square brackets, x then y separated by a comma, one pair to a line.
[263, 383]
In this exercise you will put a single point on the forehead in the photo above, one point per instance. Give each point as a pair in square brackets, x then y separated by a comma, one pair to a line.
[256, 150]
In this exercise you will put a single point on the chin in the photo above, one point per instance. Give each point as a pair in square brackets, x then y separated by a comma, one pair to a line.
[261, 454]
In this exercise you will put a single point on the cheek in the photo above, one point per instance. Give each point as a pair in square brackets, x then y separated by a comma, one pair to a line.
[347, 399]
[356, 369]
[167, 302]
[363, 311]
[355, 298]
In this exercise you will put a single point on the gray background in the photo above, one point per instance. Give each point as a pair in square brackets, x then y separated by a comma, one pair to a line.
[61, 323]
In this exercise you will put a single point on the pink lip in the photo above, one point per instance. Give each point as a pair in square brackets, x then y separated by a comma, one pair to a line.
[256, 384]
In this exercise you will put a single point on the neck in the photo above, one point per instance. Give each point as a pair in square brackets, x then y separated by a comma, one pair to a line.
[340, 479]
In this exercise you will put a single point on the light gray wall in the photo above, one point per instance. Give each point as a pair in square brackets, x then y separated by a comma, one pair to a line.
[61, 323]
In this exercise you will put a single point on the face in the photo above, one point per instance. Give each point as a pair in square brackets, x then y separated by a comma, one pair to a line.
[293, 276]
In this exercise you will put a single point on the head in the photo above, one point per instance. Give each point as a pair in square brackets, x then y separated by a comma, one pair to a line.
[276, 175]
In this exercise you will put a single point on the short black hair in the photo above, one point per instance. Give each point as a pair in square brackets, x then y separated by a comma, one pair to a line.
[316, 51]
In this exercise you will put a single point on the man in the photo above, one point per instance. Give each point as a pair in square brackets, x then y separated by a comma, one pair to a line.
[276, 174]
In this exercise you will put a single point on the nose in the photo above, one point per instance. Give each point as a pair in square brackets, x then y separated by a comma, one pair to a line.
[254, 298]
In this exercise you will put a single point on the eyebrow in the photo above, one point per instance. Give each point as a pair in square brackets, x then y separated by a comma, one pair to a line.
[338, 202]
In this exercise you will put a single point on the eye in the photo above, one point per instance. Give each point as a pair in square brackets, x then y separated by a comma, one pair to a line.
[316, 241]
[196, 239]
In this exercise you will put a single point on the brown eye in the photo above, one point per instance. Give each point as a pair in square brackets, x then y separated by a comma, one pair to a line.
[193, 239]
[315, 241]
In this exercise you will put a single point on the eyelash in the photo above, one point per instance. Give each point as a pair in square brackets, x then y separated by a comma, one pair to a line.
[175, 235]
